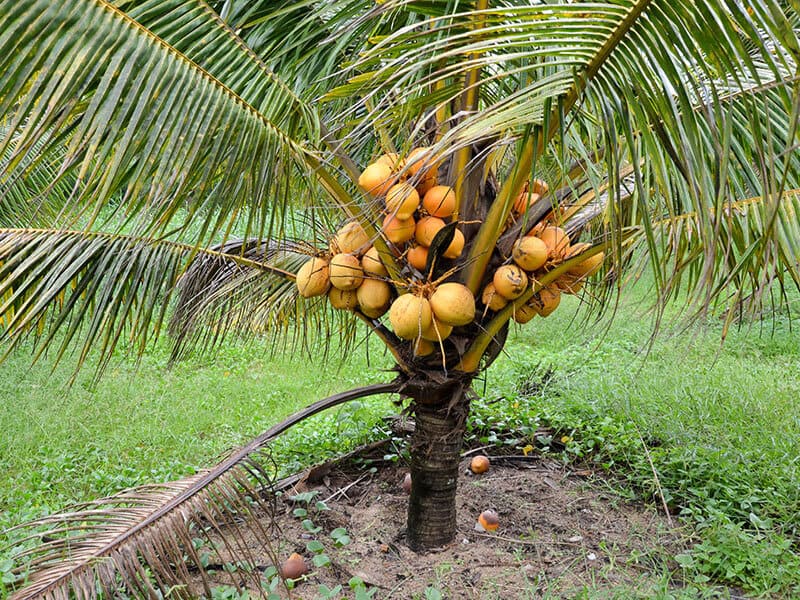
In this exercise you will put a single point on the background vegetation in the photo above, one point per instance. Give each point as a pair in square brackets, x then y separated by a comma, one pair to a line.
[720, 423]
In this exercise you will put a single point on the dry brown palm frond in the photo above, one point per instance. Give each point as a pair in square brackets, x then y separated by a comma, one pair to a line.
[140, 541]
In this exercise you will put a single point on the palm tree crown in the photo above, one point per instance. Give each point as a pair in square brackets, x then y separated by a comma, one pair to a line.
[176, 161]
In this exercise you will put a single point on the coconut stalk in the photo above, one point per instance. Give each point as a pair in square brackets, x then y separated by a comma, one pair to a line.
[435, 454]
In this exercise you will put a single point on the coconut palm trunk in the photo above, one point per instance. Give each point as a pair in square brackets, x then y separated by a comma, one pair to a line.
[440, 420]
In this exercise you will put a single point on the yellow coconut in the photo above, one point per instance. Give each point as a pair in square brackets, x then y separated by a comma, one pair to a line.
[427, 228]
[437, 331]
[423, 347]
[398, 230]
[313, 278]
[540, 187]
[453, 304]
[530, 253]
[492, 299]
[417, 257]
[510, 281]
[588, 267]
[371, 263]
[374, 297]
[350, 239]
[456, 246]
[556, 240]
[547, 301]
[440, 201]
[376, 179]
[524, 201]
[409, 316]
[402, 200]
[346, 272]
[390, 159]
[343, 299]
[569, 283]
[523, 314]
[426, 183]
[419, 159]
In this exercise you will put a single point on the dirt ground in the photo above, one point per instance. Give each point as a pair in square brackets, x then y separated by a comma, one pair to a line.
[564, 533]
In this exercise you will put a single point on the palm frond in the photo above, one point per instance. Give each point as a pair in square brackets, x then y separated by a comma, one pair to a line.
[35, 194]
[140, 541]
[219, 298]
[747, 260]
[195, 30]
[97, 289]
[140, 119]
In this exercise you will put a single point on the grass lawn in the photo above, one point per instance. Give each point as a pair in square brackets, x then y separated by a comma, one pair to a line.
[720, 425]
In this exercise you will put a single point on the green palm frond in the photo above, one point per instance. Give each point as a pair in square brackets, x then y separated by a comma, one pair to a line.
[748, 259]
[35, 194]
[219, 298]
[96, 289]
[139, 118]
[196, 31]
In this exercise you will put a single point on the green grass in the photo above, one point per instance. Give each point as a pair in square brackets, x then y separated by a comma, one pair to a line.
[722, 425]
[61, 445]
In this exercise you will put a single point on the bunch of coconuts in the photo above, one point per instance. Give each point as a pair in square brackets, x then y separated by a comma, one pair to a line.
[544, 247]
[416, 208]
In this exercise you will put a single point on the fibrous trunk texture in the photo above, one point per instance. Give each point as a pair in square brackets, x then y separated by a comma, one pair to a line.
[435, 453]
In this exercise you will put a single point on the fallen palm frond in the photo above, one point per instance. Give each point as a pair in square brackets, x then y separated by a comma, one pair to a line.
[140, 541]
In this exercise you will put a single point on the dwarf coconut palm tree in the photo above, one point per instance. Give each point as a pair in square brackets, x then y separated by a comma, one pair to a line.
[251, 166]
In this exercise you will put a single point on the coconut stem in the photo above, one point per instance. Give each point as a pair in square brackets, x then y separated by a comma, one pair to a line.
[435, 453]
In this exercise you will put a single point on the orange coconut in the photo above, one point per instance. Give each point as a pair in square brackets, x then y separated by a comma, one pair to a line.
[510, 281]
[557, 241]
[350, 239]
[492, 299]
[417, 257]
[346, 272]
[530, 253]
[376, 179]
[293, 567]
[479, 464]
[402, 200]
[588, 267]
[425, 184]
[423, 347]
[390, 159]
[523, 314]
[371, 263]
[374, 297]
[456, 246]
[427, 228]
[419, 159]
[453, 304]
[398, 230]
[489, 520]
[569, 283]
[437, 331]
[313, 278]
[440, 201]
[547, 301]
[343, 299]
[410, 315]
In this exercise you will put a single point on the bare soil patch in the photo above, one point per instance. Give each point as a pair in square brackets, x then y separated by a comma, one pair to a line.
[564, 532]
